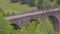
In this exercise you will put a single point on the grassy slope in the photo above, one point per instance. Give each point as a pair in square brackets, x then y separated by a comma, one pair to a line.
[15, 7]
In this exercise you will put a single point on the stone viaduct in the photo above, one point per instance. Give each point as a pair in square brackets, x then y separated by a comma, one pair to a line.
[22, 19]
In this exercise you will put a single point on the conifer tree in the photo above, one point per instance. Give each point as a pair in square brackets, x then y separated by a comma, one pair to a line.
[23, 1]
[31, 3]
[58, 1]
[14, 1]
[39, 4]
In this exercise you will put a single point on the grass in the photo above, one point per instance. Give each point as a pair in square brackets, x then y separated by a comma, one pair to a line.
[15, 7]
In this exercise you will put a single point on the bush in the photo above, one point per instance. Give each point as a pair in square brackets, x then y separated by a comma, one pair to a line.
[5, 27]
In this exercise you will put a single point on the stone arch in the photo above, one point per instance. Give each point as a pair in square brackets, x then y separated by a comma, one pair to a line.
[15, 26]
[54, 22]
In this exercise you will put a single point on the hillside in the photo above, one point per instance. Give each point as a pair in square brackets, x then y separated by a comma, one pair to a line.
[15, 7]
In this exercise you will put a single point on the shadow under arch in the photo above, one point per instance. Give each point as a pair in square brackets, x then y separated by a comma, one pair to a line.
[15, 26]
[54, 22]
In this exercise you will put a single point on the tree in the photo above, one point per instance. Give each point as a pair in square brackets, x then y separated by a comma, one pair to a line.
[23, 1]
[39, 4]
[45, 27]
[51, 0]
[58, 1]
[31, 3]
[14, 1]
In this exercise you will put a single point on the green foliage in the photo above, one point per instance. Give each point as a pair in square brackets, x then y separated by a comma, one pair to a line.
[14, 1]
[5, 27]
[58, 2]
[15, 7]
[18, 8]
[51, 0]
[23, 1]
[31, 3]
[2, 12]
[45, 4]
[39, 4]
[48, 5]
[28, 30]
[44, 27]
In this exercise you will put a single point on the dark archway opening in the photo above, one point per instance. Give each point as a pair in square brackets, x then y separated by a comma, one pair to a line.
[54, 22]
[15, 26]
[37, 22]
